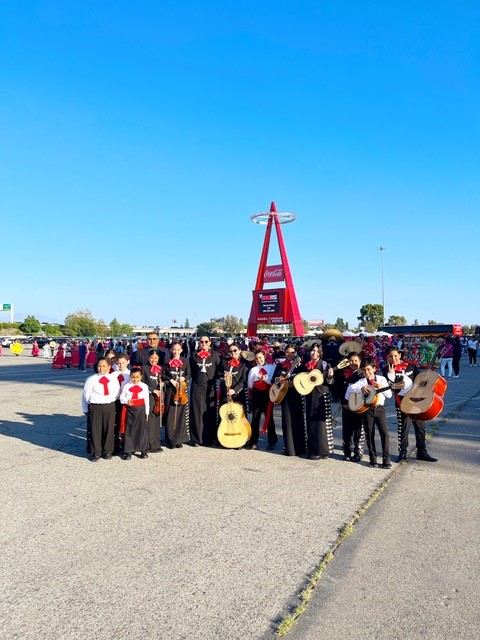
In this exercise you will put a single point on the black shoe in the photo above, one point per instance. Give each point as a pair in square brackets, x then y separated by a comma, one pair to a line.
[196, 444]
[347, 458]
[127, 456]
[315, 457]
[144, 455]
[178, 446]
[425, 457]
[95, 459]
[402, 456]
[373, 463]
[157, 450]
[270, 447]
[108, 456]
[386, 464]
[357, 458]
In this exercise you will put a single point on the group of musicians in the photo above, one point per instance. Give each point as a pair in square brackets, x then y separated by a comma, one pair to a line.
[307, 423]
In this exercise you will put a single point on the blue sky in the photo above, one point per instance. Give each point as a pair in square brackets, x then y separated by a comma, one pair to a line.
[137, 139]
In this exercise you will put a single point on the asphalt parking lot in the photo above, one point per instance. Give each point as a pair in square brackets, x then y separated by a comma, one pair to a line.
[190, 543]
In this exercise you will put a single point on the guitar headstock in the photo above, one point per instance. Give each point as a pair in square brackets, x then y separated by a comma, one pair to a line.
[342, 364]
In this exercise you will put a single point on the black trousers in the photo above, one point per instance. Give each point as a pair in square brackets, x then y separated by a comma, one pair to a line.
[403, 427]
[376, 416]
[259, 404]
[154, 425]
[352, 429]
[456, 366]
[101, 429]
[472, 356]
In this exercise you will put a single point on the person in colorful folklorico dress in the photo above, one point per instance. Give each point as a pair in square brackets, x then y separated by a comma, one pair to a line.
[176, 371]
[35, 349]
[59, 359]
[205, 369]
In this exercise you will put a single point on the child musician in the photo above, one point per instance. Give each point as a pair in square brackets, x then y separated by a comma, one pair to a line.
[375, 415]
[259, 383]
[98, 404]
[122, 373]
[135, 398]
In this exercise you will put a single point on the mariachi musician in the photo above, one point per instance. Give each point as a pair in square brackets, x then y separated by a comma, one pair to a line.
[401, 375]
[176, 374]
[233, 366]
[259, 383]
[205, 369]
[293, 421]
[352, 422]
[318, 408]
[152, 377]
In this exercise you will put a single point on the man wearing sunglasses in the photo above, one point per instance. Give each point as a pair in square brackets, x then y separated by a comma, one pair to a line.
[205, 369]
[140, 357]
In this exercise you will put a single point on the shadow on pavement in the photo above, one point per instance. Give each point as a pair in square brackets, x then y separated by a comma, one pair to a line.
[58, 432]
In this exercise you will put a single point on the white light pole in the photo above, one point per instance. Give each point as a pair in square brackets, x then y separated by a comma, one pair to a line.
[382, 250]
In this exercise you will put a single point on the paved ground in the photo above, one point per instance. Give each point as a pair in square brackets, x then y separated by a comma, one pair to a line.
[198, 543]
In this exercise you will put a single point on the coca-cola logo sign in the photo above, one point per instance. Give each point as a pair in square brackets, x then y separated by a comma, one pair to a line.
[274, 273]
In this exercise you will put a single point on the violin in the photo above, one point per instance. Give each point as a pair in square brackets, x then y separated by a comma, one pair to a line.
[180, 396]
[159, 408]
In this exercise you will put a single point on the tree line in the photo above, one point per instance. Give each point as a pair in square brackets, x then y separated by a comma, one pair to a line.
[81, 323]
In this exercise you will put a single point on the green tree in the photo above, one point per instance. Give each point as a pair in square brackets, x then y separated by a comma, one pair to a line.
[340, 324]
[371, 316]
[80, 323]
[126, 330]
[232, 325]
[432, 322]
[415, 322]
[187, 323]
[30, 325]
[115, 327]
[53, 330]
[206, 328]
[397, 321]
[102, 329]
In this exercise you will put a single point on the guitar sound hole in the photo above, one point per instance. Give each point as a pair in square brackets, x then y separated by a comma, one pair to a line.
[423, 383]
[231, 417]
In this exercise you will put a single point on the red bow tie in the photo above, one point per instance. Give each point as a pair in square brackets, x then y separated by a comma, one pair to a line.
[234, 363]
[175, 364]
[401, 367]
[203, 354]
[311, 365]
[154, 370]
[135, 390]
[104, 380]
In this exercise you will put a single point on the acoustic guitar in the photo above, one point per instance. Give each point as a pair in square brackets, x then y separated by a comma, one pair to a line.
[306, 381]
[279, 389]
[359, 403]
[424, 401]
[234, 430]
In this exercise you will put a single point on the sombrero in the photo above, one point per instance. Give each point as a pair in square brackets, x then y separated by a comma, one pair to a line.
[332, 333]
[352, 346]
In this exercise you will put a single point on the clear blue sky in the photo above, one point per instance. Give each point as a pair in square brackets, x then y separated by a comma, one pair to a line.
[137, 139]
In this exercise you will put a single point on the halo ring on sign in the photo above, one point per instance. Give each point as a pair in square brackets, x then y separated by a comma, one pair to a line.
[283, 217]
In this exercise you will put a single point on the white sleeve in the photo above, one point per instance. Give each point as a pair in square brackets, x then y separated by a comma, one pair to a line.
[124, 397]
[87, 391]
[408, 385]
[356, 387]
